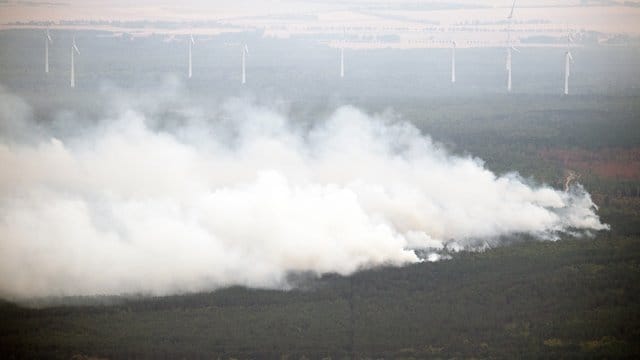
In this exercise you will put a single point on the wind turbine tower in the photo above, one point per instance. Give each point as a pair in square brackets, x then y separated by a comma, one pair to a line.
[342, 61]
[74, 50]
[47, 40]
[568, 60]
[342, 53]
[191, 43]
[510, 47]
[245, 52]
[453, 62]
[508, 67]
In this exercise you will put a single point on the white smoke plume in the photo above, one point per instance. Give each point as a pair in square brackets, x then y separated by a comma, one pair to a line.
[246, 196]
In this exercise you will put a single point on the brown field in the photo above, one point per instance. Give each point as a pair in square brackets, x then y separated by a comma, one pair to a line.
[612, 163]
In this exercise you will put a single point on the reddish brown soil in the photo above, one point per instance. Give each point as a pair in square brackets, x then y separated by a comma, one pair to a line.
[615, 163]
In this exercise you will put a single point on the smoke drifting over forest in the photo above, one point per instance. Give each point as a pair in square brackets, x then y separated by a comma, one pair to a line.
[135, 203]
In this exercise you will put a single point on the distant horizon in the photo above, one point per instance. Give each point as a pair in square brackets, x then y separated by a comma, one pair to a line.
[293, 16]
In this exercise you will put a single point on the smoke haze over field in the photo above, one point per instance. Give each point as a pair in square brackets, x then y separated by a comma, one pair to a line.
[246, 195]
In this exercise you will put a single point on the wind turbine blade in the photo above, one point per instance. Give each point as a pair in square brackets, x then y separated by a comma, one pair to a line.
[192, 40]
[49, 36]
[246, 49]
[513, 6]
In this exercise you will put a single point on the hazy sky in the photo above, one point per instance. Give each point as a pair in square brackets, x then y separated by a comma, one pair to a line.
[17, 10]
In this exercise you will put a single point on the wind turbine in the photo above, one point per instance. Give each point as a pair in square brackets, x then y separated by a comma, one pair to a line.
[47, 40]
[191, 43]
[453, 62]
[342, 54]
[74, 49]
[245, 52]
[509, 65]
[510, 47]
[568, 60]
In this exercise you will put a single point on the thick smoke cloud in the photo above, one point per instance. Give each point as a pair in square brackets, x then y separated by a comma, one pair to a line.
[139, 204]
